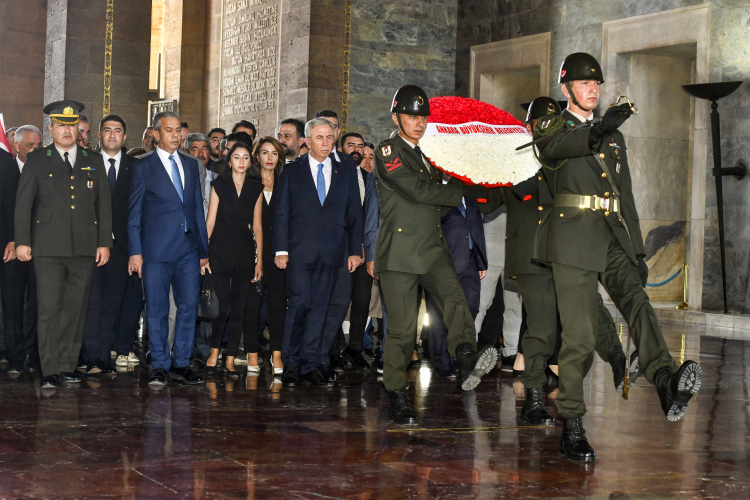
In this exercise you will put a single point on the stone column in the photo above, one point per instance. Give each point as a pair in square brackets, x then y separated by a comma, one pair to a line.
[74, 61]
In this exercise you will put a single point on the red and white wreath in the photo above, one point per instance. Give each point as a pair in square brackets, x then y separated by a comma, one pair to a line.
[476, 142]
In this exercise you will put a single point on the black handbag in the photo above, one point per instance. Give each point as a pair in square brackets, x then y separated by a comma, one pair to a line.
[209, 303]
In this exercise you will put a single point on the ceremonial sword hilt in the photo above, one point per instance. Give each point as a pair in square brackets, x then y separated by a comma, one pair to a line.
[632, 108]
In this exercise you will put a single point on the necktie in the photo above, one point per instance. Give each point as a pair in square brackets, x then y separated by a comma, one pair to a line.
[112, 175]
[177, 181]
[321, 184]
[462, 209]
[424, 160]
[67, 162]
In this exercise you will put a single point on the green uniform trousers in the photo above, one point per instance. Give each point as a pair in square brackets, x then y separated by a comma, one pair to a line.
[577, 301]
[402, 302]
[63, 286]
[538, 293]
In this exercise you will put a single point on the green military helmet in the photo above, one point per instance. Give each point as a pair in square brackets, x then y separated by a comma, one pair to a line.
[411, 100]
[542, 106]
[580, 66]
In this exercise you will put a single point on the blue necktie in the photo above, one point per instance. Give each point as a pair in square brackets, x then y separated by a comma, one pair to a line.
[177, 181]
[462, 209]
[321, 184]
[112, 175]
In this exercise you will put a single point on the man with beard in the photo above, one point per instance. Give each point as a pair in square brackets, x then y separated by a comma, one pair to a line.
[214, 137]
[292, 136]
[368, 157]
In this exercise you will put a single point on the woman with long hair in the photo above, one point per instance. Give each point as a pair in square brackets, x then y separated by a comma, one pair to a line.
[235, 259]
[268, 158]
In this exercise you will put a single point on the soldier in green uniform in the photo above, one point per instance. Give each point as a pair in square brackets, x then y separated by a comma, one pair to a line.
[410, 251]
[528, 203]
[63, 220]
[591, 235]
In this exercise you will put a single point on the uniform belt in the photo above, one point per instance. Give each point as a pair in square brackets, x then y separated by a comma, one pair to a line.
[611, 204]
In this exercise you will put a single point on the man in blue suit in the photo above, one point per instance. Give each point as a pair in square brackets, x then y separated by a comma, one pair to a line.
[464, 233]
[168, 245]
[317, 201]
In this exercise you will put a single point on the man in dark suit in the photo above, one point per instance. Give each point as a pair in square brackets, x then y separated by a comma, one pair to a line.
[317, 201]
[464, 233]
[109, 282]
[63, 214]
[168, 244]
[17, 278]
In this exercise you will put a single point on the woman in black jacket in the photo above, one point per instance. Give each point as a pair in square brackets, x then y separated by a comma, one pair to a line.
[268, 158]
[235, 254]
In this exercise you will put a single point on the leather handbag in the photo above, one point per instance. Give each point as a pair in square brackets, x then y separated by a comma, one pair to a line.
[209, 303]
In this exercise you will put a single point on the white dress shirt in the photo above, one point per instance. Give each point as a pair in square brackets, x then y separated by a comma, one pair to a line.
[426, 163]
[164, 157]
[361, 181]
[71, 154]
[20, 164]
[581, 118]
[108, 165]
[326, 171]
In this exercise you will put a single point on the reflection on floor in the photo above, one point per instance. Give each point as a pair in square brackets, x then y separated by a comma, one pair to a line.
[254, 439]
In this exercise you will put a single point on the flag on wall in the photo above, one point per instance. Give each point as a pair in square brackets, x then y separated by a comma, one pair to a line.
[4, 144]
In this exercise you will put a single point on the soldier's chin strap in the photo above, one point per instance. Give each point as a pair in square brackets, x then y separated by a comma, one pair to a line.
[572, 95]
[401, 128]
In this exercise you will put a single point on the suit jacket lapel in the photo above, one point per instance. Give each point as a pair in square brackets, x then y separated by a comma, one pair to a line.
[335, 176]
[158, 167]
[306, 172]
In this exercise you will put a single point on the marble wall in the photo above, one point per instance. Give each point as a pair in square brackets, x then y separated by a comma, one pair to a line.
[395, 43]
[578, 25]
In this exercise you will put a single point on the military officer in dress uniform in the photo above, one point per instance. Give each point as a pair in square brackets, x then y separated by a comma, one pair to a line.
[63, 220]
[591, 235]
[528, 203]
[411, 251]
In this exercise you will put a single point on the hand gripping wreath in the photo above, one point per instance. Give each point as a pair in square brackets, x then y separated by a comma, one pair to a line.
[476, 142]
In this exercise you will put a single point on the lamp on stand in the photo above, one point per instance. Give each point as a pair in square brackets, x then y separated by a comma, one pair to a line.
[713, 92]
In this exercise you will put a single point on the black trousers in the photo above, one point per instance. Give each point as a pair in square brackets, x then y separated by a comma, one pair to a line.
[361, 295]
[333, 334]
[232, 289]
[18, 281]
[276, 296]
[108, 286]
[63, 286]
[130, 316]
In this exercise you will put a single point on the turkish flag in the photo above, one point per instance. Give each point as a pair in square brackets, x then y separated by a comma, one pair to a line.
[4, 144]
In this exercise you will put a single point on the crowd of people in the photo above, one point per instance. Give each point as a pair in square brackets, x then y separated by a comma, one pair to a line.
[312, 234]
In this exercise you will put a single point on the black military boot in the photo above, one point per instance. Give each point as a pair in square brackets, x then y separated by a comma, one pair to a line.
[533, 410]
[635, 367]
[472, 365]
[676, 389]
[573, 442]
[617, 361]
[401, 411]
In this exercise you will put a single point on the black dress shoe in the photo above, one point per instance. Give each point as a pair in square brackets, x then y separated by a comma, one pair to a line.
[329, 373]
[31, 363]
[290, 377]
[158, 378]
[369, 353]
[447, 372]
[507, 363]
[635, 367]
[617, 361]
[380, 365]
[15, 366]
[573, 442]
[97, 366]
[414, 364]
[50, 382]
[472, 366]
[676, 389]
[70, 377]
[401, 411]
[358, 359]
[185, 375]
[533, 410]
[315, 378]
[342, 362]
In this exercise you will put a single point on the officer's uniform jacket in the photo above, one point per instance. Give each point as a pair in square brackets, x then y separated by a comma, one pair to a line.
[578, 237]
[60, 213]
[412, 199]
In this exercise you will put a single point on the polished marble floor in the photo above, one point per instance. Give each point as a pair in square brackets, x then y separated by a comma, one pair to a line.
[254, 439]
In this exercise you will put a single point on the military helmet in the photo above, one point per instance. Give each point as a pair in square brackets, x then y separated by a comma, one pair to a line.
[542, 106]
[580, 66]
[411, 100]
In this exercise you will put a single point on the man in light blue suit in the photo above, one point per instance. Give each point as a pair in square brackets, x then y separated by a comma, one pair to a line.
[168, 245]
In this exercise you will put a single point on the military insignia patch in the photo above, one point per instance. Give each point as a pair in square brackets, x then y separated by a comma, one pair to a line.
[49, 153]
[386, 150]
[617, 168]
[84, 153]
[571, 123]
[90, 184]
[393, 165]
[87, 168]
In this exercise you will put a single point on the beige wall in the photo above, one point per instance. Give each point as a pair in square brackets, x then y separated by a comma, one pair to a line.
[22, 44]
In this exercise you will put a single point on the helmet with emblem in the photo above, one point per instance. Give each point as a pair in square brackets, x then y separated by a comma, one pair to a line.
[411, 100]
[580, 66]
[541, 107]
[65, 112]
